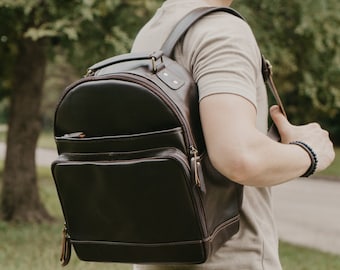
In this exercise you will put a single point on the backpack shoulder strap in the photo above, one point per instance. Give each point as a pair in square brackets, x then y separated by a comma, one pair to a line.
[183, 26]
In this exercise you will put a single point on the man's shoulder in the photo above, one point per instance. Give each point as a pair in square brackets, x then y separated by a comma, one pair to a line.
[223, 24]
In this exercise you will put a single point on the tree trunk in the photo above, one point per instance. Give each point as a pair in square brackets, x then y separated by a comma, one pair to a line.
[20, 195]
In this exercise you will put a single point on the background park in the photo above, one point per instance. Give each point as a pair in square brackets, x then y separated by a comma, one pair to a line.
[47, 44]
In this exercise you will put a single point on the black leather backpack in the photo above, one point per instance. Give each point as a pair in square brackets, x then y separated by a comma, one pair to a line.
[133, 177]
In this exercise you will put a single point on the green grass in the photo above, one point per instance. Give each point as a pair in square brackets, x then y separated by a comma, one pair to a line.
[2, 134]
[299, 258]
[37, 247]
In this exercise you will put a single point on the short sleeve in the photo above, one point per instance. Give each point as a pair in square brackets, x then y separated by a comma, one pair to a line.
[222, 54]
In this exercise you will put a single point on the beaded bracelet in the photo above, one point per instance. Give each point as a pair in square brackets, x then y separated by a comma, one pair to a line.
[312, 155]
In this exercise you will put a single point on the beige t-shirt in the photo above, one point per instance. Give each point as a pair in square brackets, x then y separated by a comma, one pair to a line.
[222, 54]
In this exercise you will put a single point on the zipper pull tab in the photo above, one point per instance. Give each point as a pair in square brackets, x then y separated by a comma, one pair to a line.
[197, 168]
[65, 248]
[75, 135]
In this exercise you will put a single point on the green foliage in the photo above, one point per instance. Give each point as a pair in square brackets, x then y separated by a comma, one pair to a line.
[78, 32]
[59, 74]
[87, 30]
[301, 38]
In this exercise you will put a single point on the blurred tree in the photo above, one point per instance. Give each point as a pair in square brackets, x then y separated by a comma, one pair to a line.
[301, 38]
[30, 31]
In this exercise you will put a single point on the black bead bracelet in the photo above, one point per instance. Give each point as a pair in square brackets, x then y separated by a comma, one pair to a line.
[312, 155]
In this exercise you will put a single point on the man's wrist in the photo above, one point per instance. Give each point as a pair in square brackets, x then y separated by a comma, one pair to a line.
[313, 157]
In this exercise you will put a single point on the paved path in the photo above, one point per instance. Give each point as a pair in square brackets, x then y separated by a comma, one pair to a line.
[307, 210]
[308, 213]
[43, 157]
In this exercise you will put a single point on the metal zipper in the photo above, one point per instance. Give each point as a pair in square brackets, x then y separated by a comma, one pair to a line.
[73, 135]
[194, 162]
[66, 247]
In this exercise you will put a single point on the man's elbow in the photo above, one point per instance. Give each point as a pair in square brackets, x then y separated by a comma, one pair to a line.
[240, 168]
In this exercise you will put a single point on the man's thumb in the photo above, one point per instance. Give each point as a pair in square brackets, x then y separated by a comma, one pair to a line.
[278, 118]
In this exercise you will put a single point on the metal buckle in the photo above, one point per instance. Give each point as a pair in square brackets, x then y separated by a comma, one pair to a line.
[269, 67]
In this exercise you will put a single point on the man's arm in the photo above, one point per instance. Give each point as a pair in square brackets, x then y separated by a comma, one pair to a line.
[242, 153]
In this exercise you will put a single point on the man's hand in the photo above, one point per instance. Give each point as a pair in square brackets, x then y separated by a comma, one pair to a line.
[311, 134]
